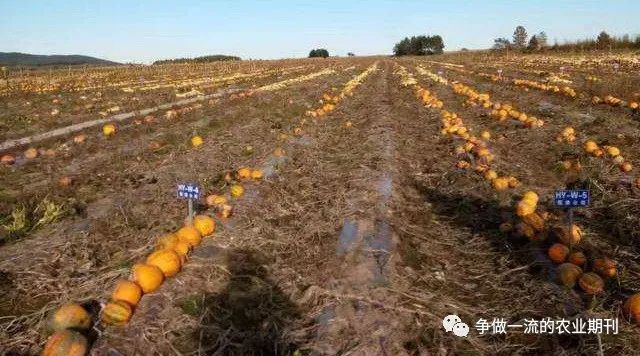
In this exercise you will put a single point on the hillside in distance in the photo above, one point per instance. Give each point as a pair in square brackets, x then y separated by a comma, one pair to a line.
[25, 59]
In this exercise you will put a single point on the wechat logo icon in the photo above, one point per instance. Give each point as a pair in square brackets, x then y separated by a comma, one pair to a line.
[453, 323]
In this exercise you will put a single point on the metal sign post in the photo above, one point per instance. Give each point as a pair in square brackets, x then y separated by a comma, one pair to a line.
[190, 192]
[571, 199]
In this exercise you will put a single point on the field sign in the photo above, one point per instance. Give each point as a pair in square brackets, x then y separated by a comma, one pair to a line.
[571, 198]
[188, 191]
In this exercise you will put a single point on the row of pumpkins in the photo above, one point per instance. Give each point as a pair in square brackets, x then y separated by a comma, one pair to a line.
[572, 263]
[568, 135]
[499, 111]
[565, 90]
[533, 225]
[615, 102]
[474, 147]
[70, 321]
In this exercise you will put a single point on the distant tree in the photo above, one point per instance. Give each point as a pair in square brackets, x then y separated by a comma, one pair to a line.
[520, 37]
[604, 41]
[501, 44]
[351, 54]
[542, 39]
[534, 44]
[463, 49]
[320, 52]
[419, 46]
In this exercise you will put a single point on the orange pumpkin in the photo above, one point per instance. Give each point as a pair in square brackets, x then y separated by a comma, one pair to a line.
[197, 141]
[168, 261]
[8, 160]
[577, 258]
[127, 291]
[569, 235]
[148, 277]
[535, 220]
[558, 253]
[605, 267]
[190, 235]
[626, 167]
[591, 283]
[500, 183]
[109, 129]
[66, 343]
[244, 173]
[632, 307]
[167, 241]
[568, 273]
[205, 225]
[79, 139]
[31, 153]
[256, 174]
[116, 313]
[236, 190]
[525, 207]
[64, 181]
[531, 197]
[70, 316]
[182, 248]
[215, 200]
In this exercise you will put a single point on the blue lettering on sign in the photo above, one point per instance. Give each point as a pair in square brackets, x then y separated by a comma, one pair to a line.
[572, 198]
[188, 191]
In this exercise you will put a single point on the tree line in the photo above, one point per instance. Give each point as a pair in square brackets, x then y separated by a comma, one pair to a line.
[539, 42]
[419, 46]
[202, 59]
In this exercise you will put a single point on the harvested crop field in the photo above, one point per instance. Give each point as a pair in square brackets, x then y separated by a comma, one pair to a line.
[357, 202]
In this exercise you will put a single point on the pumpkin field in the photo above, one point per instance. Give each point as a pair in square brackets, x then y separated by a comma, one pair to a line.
[346, 206]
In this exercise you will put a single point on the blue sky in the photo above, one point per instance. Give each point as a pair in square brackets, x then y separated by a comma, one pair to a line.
[143, 31]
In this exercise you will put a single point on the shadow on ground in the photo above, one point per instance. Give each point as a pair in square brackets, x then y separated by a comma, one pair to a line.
[251, 316]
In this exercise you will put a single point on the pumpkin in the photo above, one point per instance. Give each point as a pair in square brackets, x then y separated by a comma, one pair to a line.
[613, 151]
[256, 174]
[500, 183]
[632, 307]
[244, 173]
[64, 182]
[196, 141]
[190, 235]
[31, 153]
[626, 167]
[513, 182]
[558, 253]
[148, 277]
[569, 235]
[116, 312]
[225, 211]
[109, 129]
[591, 283]
[605, 267]
[66, 343]
[590, 146]
[236, 190]
[463, 164]
[348, 124]
[486, 135]
[79, 139]
[525, 208]
[535, 220]
[490, 175]
[8, 159]
[577, 258]
[204, 224]
[568, 273]
[278, 152]
[127, 291]
[167, 241]
[531, 197]
[215, 200]
[70, 316]
[168, 261]
[182, 248]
